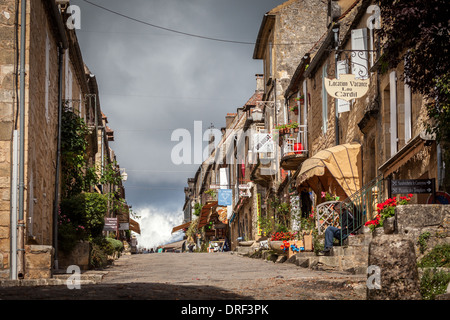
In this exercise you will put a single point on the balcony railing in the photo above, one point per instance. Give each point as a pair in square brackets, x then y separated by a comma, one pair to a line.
[294, 148]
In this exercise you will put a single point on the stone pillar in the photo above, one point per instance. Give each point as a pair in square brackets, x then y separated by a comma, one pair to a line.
[38, 261]
[394, 257]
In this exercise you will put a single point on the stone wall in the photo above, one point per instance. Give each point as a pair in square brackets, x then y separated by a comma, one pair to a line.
[79, 256]
[7, 79]
[414, 220]
[397, 252]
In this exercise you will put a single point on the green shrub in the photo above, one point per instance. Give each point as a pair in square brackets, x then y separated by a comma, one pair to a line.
[98, 258]
[87, 210]
[67, 237]
[433, 283]
[439, 256]
[117, 245]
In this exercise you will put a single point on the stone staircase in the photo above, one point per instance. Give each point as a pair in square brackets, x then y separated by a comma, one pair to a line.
[351, 257]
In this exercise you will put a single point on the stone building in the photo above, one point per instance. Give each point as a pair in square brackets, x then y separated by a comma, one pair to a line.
[384, 129]
[38, 69]
[286, 34]
[41, 72]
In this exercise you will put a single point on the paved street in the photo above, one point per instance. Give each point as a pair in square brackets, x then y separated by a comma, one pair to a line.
[202, 276]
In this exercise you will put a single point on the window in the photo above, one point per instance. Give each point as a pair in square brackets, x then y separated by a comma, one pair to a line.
[393, 111]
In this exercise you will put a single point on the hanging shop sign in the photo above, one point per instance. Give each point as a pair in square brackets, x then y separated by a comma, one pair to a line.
[124, 226]
[263, 142]
[225, 197]
[110, 224]
[347, 87]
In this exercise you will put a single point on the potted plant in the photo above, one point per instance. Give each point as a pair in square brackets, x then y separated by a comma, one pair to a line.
[294, 109]
[294, 125]
[301, 99]
[386, 212]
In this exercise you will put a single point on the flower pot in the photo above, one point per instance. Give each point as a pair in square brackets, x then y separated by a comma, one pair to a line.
[246, 243]
[389, 225]
[276, 246]
[296, 112]
[298, 147]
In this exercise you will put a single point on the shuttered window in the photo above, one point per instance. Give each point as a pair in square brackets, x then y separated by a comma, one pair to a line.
[360, 54]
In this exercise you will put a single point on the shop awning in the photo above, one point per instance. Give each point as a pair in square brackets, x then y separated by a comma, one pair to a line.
[340, 166]
[206, 213]
[181, 227]
[406, 153]
[134, 226]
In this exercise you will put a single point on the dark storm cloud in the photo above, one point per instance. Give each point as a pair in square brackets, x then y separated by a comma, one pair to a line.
[153, 81]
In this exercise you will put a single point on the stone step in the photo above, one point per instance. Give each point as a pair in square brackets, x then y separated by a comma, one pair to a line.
[363, 239]
[245, 250]
[40, 282]
[93, 276]
[351, 264]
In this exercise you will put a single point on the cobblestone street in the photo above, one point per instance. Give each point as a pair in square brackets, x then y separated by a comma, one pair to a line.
[201, 276]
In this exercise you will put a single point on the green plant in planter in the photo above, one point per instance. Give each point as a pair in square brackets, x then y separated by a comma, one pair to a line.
[212, 193]
[281, 215]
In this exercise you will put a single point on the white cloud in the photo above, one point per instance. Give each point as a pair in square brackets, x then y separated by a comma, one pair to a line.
[156, 226]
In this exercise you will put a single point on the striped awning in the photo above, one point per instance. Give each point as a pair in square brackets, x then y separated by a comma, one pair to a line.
[206, 213]
[342, 163]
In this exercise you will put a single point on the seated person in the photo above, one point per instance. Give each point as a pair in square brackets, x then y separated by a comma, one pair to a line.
[339, 233]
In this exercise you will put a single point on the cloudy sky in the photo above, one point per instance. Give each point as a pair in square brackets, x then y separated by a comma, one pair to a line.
[153, 81]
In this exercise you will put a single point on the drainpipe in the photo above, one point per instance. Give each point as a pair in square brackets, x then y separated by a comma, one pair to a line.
[336, 57]
[58, 158]
[21, 222]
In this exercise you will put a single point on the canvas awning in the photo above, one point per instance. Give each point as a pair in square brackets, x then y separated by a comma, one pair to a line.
[181, 226]
[205, 214]
[134, 226]
[340, 166]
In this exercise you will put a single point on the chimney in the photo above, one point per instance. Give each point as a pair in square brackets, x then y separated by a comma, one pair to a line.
[259, 82]
[229, 119]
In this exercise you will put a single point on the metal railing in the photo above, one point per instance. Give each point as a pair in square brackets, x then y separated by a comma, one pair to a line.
[351, 214]
[361, 206]
[289, 144]
[327, 216]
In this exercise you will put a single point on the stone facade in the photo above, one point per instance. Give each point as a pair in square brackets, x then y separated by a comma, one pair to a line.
[414, 220]
[44, 33]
